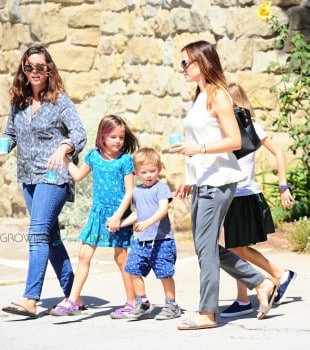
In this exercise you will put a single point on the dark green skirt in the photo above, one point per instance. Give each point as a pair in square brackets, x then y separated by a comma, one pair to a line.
[248, 221]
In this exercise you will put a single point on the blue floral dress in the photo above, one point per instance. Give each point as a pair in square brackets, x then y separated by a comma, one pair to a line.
[108, 192]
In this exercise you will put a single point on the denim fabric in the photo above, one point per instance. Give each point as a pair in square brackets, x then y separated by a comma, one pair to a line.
[44, 203]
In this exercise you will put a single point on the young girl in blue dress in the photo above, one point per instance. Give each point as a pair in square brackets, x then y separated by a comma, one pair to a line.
[111, 163]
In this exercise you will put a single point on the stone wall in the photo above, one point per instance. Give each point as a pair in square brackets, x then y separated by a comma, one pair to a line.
[123, 57]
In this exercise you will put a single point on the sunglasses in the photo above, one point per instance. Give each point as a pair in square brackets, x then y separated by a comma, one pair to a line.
[186, 63]
[38, 67]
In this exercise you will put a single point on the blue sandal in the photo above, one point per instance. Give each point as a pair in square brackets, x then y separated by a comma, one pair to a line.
[62, 310]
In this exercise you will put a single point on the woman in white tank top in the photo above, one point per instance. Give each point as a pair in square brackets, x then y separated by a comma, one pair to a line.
[212, 173]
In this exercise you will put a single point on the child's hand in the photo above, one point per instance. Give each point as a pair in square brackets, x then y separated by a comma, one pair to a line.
[113, 224]
[287, 200]
[141, 226]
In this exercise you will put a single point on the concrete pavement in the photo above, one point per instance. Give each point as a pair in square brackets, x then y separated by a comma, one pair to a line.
[287, 327]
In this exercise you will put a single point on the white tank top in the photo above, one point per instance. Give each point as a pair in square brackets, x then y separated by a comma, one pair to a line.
[216, 169]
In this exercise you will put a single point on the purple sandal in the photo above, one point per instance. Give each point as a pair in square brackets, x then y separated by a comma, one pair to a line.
[61, 310]
[121, 312]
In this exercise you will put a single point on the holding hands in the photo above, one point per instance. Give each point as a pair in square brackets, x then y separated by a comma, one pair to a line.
[59, 159]
[113, 224]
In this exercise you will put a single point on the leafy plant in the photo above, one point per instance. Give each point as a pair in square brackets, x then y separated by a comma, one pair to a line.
[300, 236]
[292, 92]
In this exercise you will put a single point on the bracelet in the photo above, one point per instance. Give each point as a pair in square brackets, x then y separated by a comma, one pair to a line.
[203, 148]
[285, 187]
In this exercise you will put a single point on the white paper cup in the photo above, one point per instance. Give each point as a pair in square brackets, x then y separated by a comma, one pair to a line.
[51, 175]
[175, 138]
[4, 145]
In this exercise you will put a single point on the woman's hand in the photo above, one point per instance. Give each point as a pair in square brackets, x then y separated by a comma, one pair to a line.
[183, 191]
[187, 149]
[57, 159]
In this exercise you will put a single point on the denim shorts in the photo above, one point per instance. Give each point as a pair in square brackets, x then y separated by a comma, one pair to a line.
[158, 255]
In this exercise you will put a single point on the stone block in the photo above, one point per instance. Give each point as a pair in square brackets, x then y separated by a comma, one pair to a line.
[161, 24]
[220, 19]
[85, 37]
[11, 59]
[87, 15]
[112, 5]
[81, 85]
[286, 3]
[180, 20]
[262, 60]
[256, 86]
[235, 54]
[109, 67]
[72, 58]
[2, 64]
[133, 102]
[9, 35]
[5, 84]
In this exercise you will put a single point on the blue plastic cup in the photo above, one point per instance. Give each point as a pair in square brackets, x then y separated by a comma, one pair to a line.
[4, 145]
[51, 175]
[174, 138]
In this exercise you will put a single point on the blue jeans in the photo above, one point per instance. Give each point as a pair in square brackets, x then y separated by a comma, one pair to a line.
[44, 203]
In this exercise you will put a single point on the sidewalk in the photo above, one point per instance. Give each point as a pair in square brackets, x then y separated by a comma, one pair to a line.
[286, 327]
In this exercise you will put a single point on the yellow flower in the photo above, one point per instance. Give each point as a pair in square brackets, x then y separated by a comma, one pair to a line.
[264, 12]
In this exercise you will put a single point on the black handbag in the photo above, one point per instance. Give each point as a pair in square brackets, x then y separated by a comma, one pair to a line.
[250, 140]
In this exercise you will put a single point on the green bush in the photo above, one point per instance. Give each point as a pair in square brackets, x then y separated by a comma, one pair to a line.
[300, 236]
[292, 91]
[301, 207]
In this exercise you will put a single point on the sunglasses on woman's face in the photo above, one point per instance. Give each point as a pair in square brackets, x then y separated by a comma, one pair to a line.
[38, 67]
[186, 63]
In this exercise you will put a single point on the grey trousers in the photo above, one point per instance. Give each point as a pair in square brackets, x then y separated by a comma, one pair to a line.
[209, 207]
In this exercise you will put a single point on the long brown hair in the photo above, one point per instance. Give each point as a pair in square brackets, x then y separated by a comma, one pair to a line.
[21, 91]
[107, 124]
[206, 56]
[240, 98]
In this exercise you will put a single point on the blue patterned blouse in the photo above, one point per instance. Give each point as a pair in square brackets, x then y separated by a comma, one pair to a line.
[39, 136]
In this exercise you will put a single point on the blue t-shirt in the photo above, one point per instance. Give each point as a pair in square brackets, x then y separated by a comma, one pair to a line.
[146, 201]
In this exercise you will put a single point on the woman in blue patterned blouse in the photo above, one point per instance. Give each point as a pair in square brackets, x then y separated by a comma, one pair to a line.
[44, 125]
